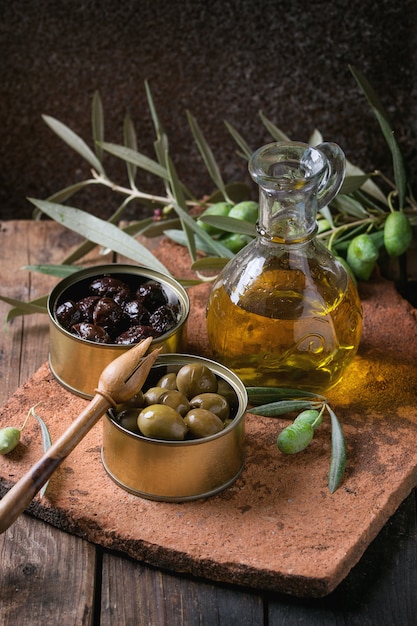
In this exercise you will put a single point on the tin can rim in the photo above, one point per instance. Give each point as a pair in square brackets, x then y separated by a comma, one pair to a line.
[229, 376]
[118, 268]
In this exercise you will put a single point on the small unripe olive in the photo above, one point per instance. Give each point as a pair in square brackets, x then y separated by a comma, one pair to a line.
[398, 233]
[295, 438]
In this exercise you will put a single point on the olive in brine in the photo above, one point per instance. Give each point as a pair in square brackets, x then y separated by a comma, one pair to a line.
[225, 389]
[163, 319]
[136, 313]
[202, 423]
[90, 332]
[176, 400]
[134, 403]
[162, 422]
[109, 286]
[152, 395]
[151, 295]
[129, 419]
[196, 378]
[134, 334]
[86, 306]
[68, 314]
[168, 381]
[213, 402]
[107, 313]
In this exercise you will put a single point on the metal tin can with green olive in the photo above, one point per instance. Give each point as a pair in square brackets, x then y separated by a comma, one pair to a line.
[98, 313]
[178, 444]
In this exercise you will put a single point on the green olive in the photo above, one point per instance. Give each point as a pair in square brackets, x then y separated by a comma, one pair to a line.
[9, 438]
[226, 390]
[168, 381]
[129, 419]
[398, 233]
[235, 241]
[176, 400]
[202, 423]
[220, 208]
[246, 210]
[212, 402]
[162, 422]
[310, 416]
[196, 378]
[362, 255]
[152, 395]
[135, 402]
[295, 438]
[322, 225]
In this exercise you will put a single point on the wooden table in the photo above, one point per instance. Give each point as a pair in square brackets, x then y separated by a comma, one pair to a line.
[49, 577]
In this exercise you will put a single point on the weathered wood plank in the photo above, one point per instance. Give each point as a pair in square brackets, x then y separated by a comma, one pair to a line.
[133, 593]
[46, 576]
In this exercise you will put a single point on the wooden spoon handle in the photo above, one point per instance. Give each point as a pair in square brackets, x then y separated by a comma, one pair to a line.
[18, 498]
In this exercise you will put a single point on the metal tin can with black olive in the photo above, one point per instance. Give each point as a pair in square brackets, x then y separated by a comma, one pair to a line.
[98, 313]
[178, 470]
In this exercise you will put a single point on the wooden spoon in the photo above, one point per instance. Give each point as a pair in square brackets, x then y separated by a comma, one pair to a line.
[119, 382]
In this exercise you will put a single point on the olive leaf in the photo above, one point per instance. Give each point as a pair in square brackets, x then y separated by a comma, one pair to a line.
[349, 206]
[136, 158]
[262, 395]
[61, 271]
[212, 263]
[208, 157]
[97, 124]
[352, 183]
[65, 194]
[86, 246]
[243, 145]
[274, 409]
[159, 227]
[273, 130]
[178, 194]
[46, 441]
[230, 224]
[24, 308]
[338, 460]
[100, 232]
[178, 236]
[130, 141]
[371, 188]
[214, 245]
[68, 192]
[74, 141]
[400, 173]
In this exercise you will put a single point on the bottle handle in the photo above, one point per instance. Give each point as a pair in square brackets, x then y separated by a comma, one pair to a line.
[333, 179]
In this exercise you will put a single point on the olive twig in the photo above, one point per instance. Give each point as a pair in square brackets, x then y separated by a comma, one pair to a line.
[10, 435]
[297, 436]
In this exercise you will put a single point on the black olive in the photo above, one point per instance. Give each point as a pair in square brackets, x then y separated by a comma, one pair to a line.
[134, 334]
[108, 286]
[86, 306]
[163, 319]
[91, 332]
[136, 313]
[151, 295]
[107, 313]
[68, 314]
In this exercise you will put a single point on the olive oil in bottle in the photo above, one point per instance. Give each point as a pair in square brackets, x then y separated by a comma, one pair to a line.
[284, 312]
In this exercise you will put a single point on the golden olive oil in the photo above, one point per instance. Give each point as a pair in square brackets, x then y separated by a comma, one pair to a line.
[282, 331]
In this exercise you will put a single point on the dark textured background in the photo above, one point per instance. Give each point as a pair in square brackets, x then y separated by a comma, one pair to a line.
[223, 59]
